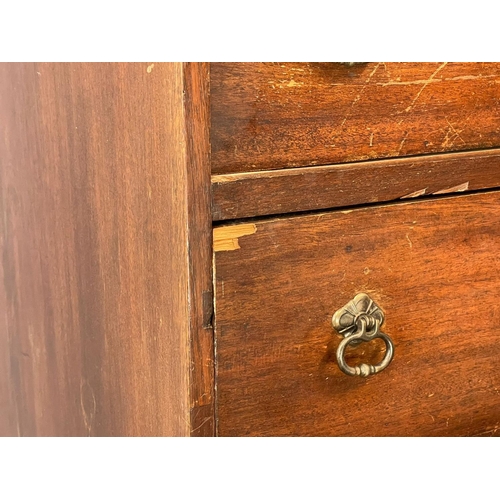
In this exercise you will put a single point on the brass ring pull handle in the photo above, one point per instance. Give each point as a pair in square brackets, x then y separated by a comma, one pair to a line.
[364, 370]
[360, 321]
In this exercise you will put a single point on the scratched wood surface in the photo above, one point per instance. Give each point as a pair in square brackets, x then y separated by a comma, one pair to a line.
[279, 115]
[432, 266]
[105, 212]
[252, 194]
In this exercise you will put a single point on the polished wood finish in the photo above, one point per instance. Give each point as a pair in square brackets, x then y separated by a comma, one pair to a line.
[268, 116]
[432, 266]
[252, 194]
[106, 250]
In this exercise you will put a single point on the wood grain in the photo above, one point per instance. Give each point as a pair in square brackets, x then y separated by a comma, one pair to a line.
[268, 116]
[98, 173]
[197, 121]
[433, 267]
[252, 194]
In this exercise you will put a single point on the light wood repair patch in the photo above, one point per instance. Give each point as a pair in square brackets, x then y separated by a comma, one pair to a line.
[226, 238]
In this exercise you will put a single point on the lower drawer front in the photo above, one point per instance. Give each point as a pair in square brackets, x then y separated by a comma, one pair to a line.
[434, 269]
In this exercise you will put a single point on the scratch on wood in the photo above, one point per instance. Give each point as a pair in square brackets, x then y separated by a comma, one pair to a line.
[447, 142]
[207, 419]
[226, 238]
[356, 99]
[88, 416]
[454, 189]
[150, 68]
[470, 77]
[457, 132]
[402, 142]
[426, 82]
[490, 431]
[372, 73]
[436, 80]
[409, 241]
[420, 192]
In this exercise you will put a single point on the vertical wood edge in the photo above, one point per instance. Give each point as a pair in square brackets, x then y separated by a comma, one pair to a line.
[197, 124]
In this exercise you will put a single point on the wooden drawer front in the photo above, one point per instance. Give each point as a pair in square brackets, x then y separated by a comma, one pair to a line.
[433, 267]
[278, 115]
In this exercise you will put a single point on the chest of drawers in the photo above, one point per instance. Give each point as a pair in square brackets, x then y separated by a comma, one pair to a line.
[177, 238]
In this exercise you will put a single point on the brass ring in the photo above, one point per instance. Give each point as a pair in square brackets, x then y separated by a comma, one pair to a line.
[364, 370]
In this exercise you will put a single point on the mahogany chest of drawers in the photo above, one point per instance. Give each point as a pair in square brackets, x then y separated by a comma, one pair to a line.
[177, 238]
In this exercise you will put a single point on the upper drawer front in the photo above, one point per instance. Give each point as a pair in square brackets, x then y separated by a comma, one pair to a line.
[279, 115]
[434, 269]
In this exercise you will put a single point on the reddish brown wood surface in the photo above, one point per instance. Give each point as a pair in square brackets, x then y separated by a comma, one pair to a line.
[433, 267]
[99, 167]
[253, 194]
[197, 119]
[278, 115]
